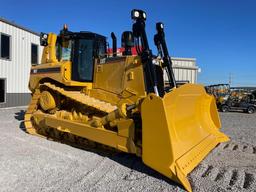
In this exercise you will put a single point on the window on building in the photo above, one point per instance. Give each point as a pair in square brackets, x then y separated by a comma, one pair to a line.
[2, 90]
[34, 54]
[5, 46]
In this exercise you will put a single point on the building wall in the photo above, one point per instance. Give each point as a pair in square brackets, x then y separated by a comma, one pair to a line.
[16, 70]
[185, 69]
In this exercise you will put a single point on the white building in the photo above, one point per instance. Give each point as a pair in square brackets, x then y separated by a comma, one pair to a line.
[19, 48]
[185, 70]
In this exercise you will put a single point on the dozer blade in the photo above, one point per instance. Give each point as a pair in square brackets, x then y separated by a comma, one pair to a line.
[179, 130]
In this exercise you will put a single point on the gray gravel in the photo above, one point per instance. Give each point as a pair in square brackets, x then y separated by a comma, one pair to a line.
[29, 163]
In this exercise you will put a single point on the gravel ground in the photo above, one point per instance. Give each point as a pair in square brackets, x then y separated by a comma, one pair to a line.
[29, 163]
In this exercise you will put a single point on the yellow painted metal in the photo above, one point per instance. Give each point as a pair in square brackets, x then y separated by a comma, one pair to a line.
[113, 82]
[49, 53]
[47, 101]
[29, 113]
[66, 70]
[63, 76]
[126, 129]
[111, 76]
[179, 130]
[100, 135]
[114, 86]
[82, 98]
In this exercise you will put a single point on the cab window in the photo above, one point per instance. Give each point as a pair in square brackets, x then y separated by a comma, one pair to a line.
[83, 60]
[66, 50]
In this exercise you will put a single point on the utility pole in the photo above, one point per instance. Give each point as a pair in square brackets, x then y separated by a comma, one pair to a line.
[230, 79]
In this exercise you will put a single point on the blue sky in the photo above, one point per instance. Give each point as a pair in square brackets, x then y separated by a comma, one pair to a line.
[220, 34]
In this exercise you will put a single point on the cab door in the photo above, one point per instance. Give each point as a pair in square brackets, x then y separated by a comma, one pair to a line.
[82, 65]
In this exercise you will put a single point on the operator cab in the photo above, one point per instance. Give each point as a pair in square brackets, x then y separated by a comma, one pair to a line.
[81, 49]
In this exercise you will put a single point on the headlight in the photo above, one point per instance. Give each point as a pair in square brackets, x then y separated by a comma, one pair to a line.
[144, 15]
[45, 36]
[138, 14]
[43, 39]
[159, 26]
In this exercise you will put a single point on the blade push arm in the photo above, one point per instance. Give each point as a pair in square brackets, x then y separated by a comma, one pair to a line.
[139, 33]
[160, 42]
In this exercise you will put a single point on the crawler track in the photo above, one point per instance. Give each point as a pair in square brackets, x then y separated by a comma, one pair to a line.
[84, 101]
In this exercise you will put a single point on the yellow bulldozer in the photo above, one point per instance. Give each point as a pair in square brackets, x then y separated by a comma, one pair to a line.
[82, 93]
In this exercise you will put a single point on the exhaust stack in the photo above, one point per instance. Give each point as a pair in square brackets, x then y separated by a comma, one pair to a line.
[114, 43]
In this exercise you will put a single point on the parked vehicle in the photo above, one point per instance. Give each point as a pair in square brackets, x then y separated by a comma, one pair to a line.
[233, 99]
[219, 91]
[239, 100]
